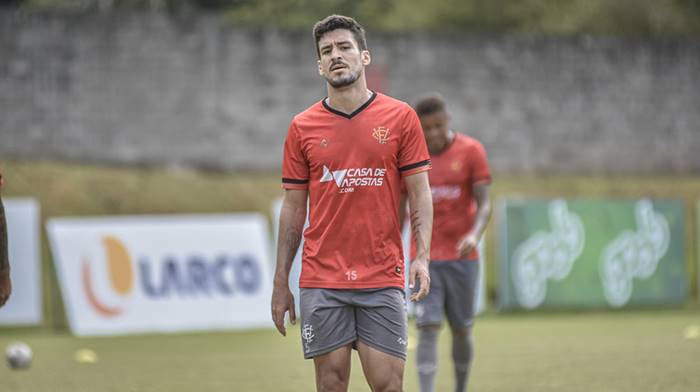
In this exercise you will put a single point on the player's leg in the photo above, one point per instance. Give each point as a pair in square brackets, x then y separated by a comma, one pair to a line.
[429, 313]
[462, 354]
[382, 329]
[384, 372]
[460, 307]
[426, 356]
[327, 333]
[333, 370]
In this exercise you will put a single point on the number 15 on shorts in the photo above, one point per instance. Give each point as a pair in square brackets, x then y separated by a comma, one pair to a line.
[351, 275]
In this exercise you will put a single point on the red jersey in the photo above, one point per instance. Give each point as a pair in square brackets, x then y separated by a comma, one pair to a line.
[456, 170]
[352, 166]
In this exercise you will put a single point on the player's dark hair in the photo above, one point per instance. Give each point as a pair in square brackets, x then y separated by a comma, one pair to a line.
[335, 22]
[429, 104]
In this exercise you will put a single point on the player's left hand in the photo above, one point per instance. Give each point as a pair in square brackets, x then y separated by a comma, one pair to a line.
[467, 245]
[419, 269]
[5, 287]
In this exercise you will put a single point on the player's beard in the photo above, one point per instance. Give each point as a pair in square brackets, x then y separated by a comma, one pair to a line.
[344, 81]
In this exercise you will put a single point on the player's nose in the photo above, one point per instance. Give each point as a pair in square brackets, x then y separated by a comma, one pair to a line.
[336, 53]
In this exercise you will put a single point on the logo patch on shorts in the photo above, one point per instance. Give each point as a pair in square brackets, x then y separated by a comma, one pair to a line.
[398, 270]
[307, 333]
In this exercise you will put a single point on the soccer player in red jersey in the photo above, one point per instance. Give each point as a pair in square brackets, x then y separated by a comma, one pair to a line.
[347, 156]
[459, 182]
[5, 283]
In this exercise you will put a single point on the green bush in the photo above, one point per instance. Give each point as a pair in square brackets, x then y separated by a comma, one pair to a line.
[619, 17]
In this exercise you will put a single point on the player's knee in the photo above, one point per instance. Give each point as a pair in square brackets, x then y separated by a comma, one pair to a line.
[428, 336]
[429, 328]
[462, 332]
[389, 383]
[332, 381]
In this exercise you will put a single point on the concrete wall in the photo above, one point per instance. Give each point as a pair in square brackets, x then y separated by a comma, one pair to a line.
[150, 89]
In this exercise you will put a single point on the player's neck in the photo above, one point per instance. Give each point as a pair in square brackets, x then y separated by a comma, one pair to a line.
[350, 98]
[448, 142]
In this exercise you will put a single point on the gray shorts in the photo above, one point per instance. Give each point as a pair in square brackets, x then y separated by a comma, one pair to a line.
[453, 286]
[332, 318]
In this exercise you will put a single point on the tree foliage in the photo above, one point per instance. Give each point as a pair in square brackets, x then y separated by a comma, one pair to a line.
[622, 17]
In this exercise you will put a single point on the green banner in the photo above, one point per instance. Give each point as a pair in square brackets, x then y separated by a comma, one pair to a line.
[591, 253]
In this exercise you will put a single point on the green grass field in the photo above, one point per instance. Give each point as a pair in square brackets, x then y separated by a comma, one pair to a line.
[621, 351]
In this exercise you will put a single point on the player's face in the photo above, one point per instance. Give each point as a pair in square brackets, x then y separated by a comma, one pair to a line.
[436, 130]
[342, 62]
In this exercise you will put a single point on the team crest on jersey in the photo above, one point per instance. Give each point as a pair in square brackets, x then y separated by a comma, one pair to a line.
[456, 166]
[324, 143]
[381, 134]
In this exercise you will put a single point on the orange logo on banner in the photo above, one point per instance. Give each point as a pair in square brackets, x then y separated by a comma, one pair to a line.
[121, 276]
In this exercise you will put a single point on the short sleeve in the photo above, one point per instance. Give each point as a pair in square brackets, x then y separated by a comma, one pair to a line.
[413, 152]
[480, 172]
[295, 169]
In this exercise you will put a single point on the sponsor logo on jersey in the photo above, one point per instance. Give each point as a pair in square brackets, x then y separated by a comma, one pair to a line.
[381, 134]
[348, 179]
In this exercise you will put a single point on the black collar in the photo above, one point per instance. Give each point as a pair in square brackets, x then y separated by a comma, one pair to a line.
[353, 114]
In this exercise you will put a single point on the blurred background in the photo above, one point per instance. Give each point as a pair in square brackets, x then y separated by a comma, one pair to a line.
[173, 113]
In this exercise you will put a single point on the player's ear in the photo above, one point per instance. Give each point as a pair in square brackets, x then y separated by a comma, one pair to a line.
[320, 70]
[366, 58]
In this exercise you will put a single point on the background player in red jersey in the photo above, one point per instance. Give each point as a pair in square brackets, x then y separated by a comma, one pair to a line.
[5, 283]
[459, 182]
[347, 155]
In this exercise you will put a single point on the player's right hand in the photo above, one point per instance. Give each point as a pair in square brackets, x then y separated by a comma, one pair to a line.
[282, 302]
[419, 270]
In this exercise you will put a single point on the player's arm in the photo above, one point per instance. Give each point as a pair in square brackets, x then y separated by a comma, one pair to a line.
[5, 284]
[291, 225]
[483, 214]
[403, 204]
[421, 212]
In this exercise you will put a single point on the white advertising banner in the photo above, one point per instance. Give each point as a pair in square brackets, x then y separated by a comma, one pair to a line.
[24, 305]
[139, 274]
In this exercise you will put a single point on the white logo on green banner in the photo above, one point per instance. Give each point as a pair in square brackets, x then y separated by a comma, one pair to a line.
[634, 254]
[547, 255]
